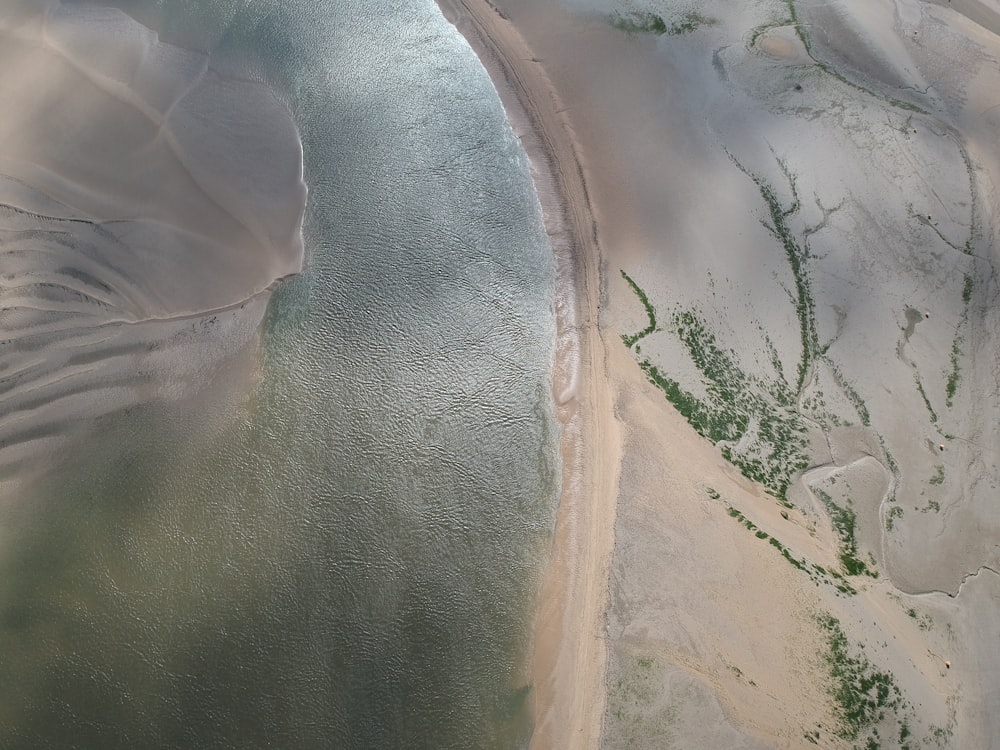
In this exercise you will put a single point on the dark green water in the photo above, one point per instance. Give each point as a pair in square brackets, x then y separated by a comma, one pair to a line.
[344, 555]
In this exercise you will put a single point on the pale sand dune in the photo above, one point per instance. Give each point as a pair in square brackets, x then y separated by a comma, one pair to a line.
[147, 205]
[874, 133]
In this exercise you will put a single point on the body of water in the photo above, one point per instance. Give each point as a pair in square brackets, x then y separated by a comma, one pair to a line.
[334, 540]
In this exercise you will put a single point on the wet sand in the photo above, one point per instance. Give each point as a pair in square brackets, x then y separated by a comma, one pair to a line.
[148, 205]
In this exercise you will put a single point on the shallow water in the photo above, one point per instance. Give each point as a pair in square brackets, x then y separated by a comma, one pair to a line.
[333, 540]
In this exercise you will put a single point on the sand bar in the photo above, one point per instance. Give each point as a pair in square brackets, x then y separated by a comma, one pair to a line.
[569, 648]
[148, 205]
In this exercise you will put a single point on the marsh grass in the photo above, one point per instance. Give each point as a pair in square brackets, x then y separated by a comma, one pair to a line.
[796, 254]
[632, 340]
[844, 522]
[866, 698]
[802, 31]
[749, 417]
[954, 359]
[927, 402]
[640, 22]
[951, 385]
[938, 478]
[753, 419]
[816, 573]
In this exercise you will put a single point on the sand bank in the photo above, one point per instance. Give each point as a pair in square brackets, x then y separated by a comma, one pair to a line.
[569, 649]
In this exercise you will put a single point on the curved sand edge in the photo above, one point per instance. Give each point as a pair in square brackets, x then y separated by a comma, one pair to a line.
[570, 650]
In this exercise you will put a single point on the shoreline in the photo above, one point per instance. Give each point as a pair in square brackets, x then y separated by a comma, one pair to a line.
[569, 648]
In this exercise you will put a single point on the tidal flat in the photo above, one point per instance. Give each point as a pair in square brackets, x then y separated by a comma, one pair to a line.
[788, 366]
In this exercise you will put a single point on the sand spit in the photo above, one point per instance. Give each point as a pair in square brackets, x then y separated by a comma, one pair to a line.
[569, 650]
[148, 203]
[802, 200]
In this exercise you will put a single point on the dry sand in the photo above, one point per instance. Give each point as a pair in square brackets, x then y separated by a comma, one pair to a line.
[873, 132]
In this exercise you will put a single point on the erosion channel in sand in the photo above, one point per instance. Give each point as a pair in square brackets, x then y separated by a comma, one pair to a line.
[148, 202]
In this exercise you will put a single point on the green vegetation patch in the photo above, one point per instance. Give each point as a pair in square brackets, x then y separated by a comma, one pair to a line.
[938, 478]
[844, 522]
[850, 394]
[951, 387]
[753, 419]
[640, 22]
[632, 340]
[759, 432]
[690, 21]
[896, 511]
[796, 253]
[924, 622]
[801, 30]
[866, 698]
[816, 573]
[757, 421]
[933, 505]
[927, 402]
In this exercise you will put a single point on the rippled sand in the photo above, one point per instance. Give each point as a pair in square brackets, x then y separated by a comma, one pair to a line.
[148, 202]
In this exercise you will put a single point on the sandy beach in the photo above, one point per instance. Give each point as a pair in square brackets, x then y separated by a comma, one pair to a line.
[793, 228]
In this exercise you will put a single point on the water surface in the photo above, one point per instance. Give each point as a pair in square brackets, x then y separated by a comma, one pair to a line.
[333, 540]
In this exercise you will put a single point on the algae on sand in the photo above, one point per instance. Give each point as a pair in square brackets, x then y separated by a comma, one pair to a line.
[752, 418]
